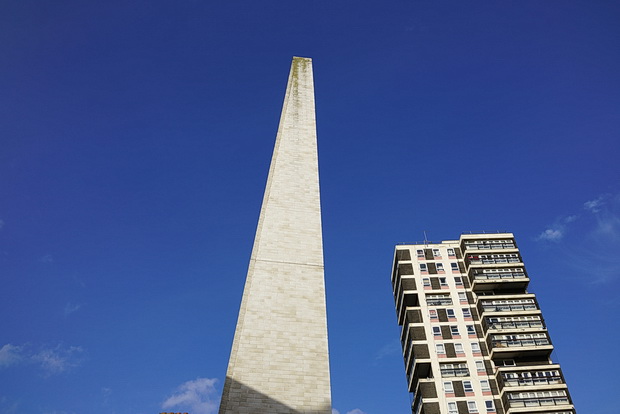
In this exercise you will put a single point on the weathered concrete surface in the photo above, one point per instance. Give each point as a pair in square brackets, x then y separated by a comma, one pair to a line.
[279, 359]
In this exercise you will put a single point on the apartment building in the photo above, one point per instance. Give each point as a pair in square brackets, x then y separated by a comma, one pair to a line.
[474, 339]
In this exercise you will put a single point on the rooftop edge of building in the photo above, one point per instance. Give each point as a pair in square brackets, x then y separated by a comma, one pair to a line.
[464, 236]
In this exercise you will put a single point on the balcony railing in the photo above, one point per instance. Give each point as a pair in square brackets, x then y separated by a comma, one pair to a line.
[516, 325]
[538, 402]
[454, 372]
[516, 343]
[492, 246]
[508, 308]
[498, 276]
[524, 382]
[497, 260]
[439, 302]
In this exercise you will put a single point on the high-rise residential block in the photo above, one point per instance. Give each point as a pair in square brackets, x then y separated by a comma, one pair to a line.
[474, 339]
[279, 359]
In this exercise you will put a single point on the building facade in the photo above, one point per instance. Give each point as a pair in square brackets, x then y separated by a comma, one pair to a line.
[474, 339]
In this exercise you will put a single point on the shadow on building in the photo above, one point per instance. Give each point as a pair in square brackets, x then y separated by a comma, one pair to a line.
[238, 398]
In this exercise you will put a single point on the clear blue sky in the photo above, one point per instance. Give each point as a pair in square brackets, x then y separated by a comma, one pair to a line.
[135, 142]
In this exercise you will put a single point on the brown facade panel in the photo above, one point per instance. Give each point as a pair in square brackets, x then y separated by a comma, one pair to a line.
[408, 283]
[414, 316]
[459, 391]
[498, 407]
[445, 332]
[420, 351]
[403, 254]
[466, 282]
[489, 367]
[405, 269]
[432, 268]
[458, 253]
[431, 408]
[418, 333]
[474, 314]
[450, 352]
[428, 254]
[462, 406]
[442, 315]
[483, 348]
[428, 390]
[435, 283]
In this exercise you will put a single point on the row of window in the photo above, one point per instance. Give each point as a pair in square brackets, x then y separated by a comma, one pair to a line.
[432, 313]
[471, 407]
[448, 386]
[443, 282]
[444, 299]
[454, 330]
[459, 369]
[440, 268]
[436, 253]
[458, 348]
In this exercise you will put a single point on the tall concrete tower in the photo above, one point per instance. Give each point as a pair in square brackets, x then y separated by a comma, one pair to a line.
[279, 360]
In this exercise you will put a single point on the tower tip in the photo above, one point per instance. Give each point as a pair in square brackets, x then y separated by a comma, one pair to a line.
[307, 59]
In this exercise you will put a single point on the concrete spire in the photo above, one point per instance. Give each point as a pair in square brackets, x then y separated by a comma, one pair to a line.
[279, 359]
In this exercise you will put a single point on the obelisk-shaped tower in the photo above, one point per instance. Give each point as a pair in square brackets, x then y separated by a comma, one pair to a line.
[279, 360]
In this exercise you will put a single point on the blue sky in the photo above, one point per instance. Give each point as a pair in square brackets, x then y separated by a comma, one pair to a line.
[136, 138]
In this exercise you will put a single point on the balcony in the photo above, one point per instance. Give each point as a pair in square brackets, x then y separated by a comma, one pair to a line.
[438, 301]
[486, 307]
[512, 325]
[520, 379]
[454, 372]
[510, 348]
[489, 245]
[533, 381]
[538, 402]
[489, 259]
[499, 280]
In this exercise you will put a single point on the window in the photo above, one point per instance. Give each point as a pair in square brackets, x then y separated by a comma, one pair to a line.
[426, 281]
[440, 267]
[484, 385]
[466, 313]
[489, 405]
[471, 330]
[436, 331]
[443, 282]
[454, 330]
[423, 267]
[458, 281]
[420, 253]
[436, 253]
[450, 313]
[440, 348]
[467, 387]
[471, 407]
[475, 347]
[462, 297]
[458, 348]
[450, 252]
[454, 267]
[452, 409]
[480, 366]
[509, 363]
[432, 313]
